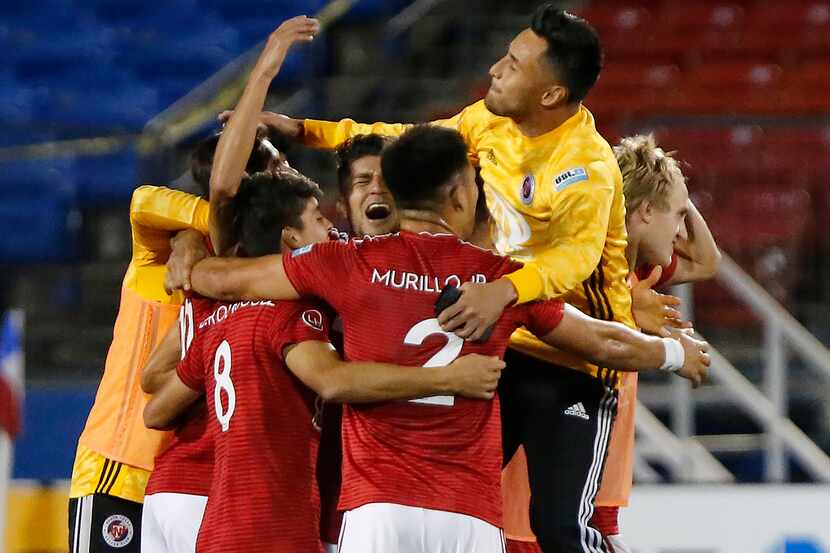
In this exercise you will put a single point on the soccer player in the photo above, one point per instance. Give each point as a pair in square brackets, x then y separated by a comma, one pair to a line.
[252, 363]
[115, 451]
[554, 192]
[425, 475]
[668, 243]
[365, 201]
[177, 490]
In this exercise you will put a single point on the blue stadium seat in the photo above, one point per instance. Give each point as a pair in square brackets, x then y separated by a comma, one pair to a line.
[274, 11]
[374, 9]
[97, 111]
[37, 178]
[16, 103]
[37, 229]
[106, 179]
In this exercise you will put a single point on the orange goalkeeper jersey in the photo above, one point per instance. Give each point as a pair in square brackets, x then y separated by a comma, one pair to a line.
[557, 205]
[115, 451]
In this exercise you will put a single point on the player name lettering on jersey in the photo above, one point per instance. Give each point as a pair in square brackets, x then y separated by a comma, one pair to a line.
[420, 283]
[221, 313]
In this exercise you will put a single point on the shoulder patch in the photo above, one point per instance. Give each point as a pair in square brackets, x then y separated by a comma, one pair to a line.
[301, 251]
[313, 319]
[569, 177]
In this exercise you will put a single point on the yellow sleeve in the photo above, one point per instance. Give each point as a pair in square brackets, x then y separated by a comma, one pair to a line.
[330, 134]
[155, 213]
[580, 214]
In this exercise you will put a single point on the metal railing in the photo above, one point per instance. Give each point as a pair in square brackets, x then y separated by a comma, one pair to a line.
[766, 406]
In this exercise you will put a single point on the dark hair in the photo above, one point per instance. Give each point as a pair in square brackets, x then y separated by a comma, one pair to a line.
[356, 147]
[419, 163]
[201, 161]
[573, 48]
[266, 203]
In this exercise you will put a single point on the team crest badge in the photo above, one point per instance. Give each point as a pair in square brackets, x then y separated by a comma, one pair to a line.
[118, 531]
[528, 189]
[313, 318]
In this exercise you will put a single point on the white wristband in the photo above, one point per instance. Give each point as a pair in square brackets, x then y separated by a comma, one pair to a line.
[675, 356]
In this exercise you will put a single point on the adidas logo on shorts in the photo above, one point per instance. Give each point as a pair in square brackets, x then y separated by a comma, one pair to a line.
[577, 410]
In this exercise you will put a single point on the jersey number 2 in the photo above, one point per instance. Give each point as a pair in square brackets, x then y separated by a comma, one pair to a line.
[446, 355]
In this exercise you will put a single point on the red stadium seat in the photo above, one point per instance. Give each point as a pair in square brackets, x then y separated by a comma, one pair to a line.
[792, 18]
[630, 89]
[764, 228]
[635, 75]
[617, 24]
[813, 74]
[801, 29]
[806, 87]
[731, 87]
[701, 15]
[625, 18]
[736, 73]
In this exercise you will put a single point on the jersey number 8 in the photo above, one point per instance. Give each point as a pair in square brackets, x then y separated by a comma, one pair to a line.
[222, 376]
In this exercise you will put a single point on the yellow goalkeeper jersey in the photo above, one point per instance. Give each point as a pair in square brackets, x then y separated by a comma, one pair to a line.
[556, 202]
[115, 451]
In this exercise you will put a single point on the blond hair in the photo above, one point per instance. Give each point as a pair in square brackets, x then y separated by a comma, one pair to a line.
[648, 172]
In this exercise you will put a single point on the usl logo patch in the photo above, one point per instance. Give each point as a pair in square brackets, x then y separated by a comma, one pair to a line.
[118, 531]
[300, 251]
[313, 318]
[569, 177]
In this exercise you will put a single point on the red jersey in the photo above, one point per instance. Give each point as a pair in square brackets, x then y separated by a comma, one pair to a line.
[186, 466]
[264, 495]
[443, 452]
[642, 271]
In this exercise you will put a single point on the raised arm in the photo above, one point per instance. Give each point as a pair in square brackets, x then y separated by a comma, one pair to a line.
[322, 369]
[237, 140]
[614, 345]
[698, 254]
[235, 278]
[314, 133]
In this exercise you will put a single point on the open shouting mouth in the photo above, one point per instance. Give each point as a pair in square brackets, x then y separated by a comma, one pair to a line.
[378, 210]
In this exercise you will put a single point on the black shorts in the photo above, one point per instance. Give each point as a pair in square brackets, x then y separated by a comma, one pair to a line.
[102, 523]
[563, 418]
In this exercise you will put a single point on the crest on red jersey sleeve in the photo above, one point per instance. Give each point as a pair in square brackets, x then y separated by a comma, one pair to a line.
[313, 318]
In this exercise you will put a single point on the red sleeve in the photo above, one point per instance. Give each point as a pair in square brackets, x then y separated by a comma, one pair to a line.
[321, 269]
[191, 369]
[643, 271]
[303, 321]
[541, 317]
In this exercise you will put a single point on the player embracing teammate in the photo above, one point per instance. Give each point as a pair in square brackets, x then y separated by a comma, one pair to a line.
[424, 474]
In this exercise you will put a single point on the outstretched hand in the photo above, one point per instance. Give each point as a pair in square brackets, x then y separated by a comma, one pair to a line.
[654, 312]
[290, 32]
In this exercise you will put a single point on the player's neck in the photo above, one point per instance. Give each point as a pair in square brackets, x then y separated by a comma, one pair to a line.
[544, 121]
[416, 220]
[631, 250]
